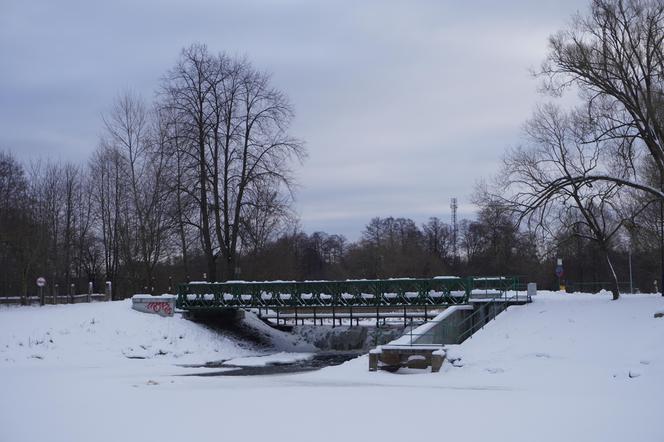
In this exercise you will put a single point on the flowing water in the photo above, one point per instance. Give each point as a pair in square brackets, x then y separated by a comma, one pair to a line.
[318, 361]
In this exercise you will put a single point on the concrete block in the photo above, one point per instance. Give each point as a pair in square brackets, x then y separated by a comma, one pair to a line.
[163, 305]
[373, 361]
[391, 358]
[418, 361]
[437, 359]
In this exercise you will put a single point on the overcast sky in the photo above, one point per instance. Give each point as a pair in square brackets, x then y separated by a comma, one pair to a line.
[402, 104]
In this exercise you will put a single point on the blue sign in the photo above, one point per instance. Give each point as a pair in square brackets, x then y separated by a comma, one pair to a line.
[559, 271]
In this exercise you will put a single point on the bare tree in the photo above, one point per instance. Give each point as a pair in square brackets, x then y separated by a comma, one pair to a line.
[236, 130]
[557, 151]
[187, 93]
[139, 138]
[615, 56]
[264, 218]
[87, 254]
[109, 197]
[438, 238]
[70, 193]
[19, 233]
[261, 160]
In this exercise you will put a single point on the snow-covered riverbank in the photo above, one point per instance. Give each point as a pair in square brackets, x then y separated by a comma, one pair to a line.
[564, 368]
[111, 333]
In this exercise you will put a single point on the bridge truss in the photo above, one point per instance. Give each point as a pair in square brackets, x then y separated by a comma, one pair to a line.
[377, 293]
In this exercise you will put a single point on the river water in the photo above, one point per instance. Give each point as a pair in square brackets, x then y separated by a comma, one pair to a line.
[318, 361]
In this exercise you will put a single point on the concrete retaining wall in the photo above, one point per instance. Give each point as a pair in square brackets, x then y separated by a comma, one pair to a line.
[424, 345]
[163, 305]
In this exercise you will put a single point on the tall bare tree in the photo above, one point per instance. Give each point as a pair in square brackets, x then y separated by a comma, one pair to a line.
[109, 197]
[557, 151]
[615, 56]
[139, 137]
[187, 93]
[236, 130]
[19, 233]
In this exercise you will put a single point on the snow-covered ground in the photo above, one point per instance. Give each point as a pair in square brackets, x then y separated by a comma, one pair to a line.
[564, 368]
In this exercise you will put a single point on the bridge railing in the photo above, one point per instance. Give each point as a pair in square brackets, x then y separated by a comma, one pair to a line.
[456, 325]
[364, 292]
[494, 285]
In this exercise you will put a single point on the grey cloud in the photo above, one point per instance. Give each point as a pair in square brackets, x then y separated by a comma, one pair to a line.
[402, 104]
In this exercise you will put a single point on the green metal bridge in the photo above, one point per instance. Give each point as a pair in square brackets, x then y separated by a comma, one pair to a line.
[376, 293]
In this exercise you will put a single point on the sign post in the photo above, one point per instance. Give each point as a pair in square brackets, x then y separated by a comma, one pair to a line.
[41, 282]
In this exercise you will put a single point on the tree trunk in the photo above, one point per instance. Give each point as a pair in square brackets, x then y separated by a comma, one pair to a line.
[230, 267]
[205, 231]
[615, 290]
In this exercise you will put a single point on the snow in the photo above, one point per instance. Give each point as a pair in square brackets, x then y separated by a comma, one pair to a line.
[112, 333]
[407, 346]
[564, 368]
[146, 297]
[104, 333]
[573, 341]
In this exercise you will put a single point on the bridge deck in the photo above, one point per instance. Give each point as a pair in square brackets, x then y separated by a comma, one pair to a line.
[449, 290]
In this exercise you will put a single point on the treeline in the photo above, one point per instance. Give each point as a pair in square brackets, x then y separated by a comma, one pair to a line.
[74, 224]
[198, 184]
[187, 182]
[491, 244]
[118, 219]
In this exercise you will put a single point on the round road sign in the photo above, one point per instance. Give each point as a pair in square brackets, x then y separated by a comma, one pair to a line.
[41, 281]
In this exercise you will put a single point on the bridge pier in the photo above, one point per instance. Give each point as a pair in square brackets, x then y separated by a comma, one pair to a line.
[392, 358]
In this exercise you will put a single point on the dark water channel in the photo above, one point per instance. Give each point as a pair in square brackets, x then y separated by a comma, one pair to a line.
[318, 361]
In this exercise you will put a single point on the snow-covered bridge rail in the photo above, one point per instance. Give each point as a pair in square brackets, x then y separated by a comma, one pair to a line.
[386, 293]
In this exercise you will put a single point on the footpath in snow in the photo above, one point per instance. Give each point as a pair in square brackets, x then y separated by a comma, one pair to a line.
[564, 368]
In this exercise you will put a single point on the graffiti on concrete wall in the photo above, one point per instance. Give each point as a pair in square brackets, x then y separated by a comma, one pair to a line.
[161, 308]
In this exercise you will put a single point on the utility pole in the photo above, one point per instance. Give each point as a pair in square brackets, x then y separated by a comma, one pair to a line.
[455, 232]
